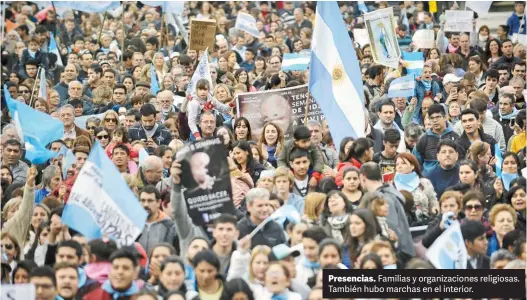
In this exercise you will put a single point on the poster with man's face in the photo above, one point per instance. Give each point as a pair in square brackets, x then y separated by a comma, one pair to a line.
[284, 107]
[206, 180]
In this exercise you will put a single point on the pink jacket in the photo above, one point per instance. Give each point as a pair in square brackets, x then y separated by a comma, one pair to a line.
[241, 184]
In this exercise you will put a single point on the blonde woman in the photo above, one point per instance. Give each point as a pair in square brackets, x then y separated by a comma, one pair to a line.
[249, 265]
[101, 97]
[159, 65]
[223, 93]
[314, 205]
[110, 120]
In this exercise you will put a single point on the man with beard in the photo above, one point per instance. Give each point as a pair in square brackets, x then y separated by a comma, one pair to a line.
[166, 100]
[67, 280]
[159, 227]
[149, 130]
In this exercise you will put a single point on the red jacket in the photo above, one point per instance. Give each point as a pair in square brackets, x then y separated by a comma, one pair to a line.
[100, 294]
[343, 165]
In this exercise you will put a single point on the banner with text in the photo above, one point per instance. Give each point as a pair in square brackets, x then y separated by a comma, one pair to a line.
[206, 180]
[284, 107]
[459, 21]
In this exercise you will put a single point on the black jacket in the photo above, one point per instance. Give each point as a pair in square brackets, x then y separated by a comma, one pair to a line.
[464, 143]
[162, 136]
[271, 234]
[482, 262]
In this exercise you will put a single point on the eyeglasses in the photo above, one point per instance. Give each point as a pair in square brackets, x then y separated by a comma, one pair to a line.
[8, 246]
[100, 137]
[473, 207]
[110, 120]
[90, 128]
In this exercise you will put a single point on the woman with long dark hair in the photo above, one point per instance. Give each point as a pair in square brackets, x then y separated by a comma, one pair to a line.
[363, 228]
[242, 129]
[360, 152]
[493, 51]
[243, 158]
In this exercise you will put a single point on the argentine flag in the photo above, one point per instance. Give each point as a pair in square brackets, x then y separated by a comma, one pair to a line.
[101, 203]
[85, 6]
[413, 62]
[449, 250]
[402, 87]
[201, 72]
[296, 61]
[335, 79]
[52, 48]
[175, 7]
[35, 129]
[247, 23]
[154, 85]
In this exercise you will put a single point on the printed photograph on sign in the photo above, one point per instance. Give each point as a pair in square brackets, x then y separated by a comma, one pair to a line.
[285, 107]
[206, 180]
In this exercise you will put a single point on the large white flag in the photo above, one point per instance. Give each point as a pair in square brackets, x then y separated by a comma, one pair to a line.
[202, 72]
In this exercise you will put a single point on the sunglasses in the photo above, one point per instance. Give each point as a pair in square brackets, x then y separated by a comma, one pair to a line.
[24, 92]
[8, 246]
[110, 120]
[474, 207]
[100, 137]
[90, 127]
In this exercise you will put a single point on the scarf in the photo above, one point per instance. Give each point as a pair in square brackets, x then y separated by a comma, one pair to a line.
[390, 267]
[408, 182]
[509, 116]
[311, 265]
[107, 287]
[507, 178]
[452, 49]
[281, 296]
[336, 224]
[427, 84]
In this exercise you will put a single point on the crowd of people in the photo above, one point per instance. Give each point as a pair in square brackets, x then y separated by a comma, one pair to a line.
[455, 152]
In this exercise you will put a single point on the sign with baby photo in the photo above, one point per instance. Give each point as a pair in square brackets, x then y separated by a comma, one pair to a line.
[284, 107]
[206, 180]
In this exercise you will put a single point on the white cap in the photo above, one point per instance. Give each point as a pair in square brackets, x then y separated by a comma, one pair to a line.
[450, 78]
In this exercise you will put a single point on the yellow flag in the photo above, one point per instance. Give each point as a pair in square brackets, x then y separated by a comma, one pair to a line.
[432, 6]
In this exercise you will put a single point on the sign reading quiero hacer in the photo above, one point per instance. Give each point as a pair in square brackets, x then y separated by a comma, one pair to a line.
[202, 34]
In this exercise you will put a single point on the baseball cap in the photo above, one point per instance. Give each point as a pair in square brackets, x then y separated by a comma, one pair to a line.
[450, 78]
[282, 251]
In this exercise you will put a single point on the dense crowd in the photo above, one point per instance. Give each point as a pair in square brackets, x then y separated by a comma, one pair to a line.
[455, 152]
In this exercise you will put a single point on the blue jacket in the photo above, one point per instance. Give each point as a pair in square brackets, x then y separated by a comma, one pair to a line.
[514, 24]
[296, 201]
[426, 148]
[420, 93]
[494, 245]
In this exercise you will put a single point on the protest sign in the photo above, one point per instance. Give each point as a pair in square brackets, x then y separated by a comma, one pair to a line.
[284, 107]
[361, 36]
[424, 39]
[202, 33]
[101, 203]
[449, 251]
[206, 180]
[18, 291]
[459, 21]
[381, 33]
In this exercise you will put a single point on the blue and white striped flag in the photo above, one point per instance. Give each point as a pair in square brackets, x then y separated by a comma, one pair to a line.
[499, 159]
[449, 250]
[402, 87]
[175, 7]
[101, 203]
[35, 129]
[68, 159]
[154, 84]
[52, 48]
[247, 23]
[296, 61]
[335, 79]
[42, 91]
[85, 6]
[413, 62]
[201, 72]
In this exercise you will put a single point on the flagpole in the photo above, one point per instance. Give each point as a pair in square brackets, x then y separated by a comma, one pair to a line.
[124, 34]
[35, 85]
[161, 29]
[167, 33]
[102, 26]
[307, 107]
